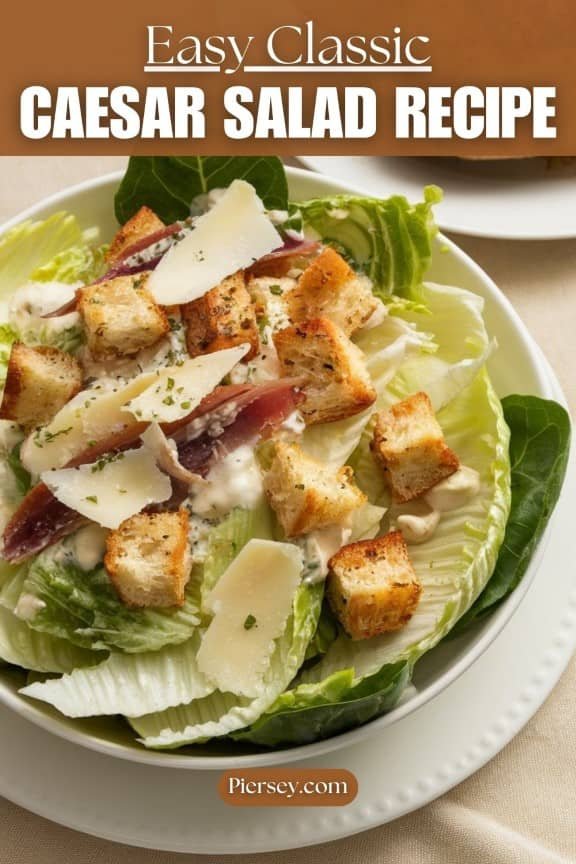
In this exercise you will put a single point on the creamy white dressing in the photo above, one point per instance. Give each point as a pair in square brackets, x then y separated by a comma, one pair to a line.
[89, 546]
[419, 519]
[418, 527]
[454, 491]
[41, 298]
[168, 351]
[205, 201]
[294, 425]
[319, 546]
[278, 217]
[262, 368]
[198, 535]
[34, 299]
[27, 607]
[235, 481]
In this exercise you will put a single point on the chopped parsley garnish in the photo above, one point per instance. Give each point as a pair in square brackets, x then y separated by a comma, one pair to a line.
[92, 498]
[276, 289]
[42, 437]
[250, 622]
[169, 400]
[170, 384]
[106, 460]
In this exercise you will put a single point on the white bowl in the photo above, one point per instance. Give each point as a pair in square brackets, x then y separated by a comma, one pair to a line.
[516, 367]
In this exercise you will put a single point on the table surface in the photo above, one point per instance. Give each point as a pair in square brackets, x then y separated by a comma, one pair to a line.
[519, 809]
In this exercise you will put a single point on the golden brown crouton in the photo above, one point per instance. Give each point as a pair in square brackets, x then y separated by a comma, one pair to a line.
[305, 494]
[222, 318]
[148, 559]
[372, 586]
[141, 225]
[121, 316]
[329, 288]
[409, 443]
[337, 383]
[39, 382]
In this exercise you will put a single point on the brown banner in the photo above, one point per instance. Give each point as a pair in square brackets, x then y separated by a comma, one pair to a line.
[352, 62]
[288, 787]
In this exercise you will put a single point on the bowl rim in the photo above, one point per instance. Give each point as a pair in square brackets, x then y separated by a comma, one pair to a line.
[494, 625]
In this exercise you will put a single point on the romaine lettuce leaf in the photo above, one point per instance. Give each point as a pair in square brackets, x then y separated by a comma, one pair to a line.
[83, 607]
[80, 263]
[33, 244]
[539, 448]
[311, 712]
[169, 184]
[453, 318]
[222, 713]
[21, 646]
[130, 684]
[389, 239]
[455, 564]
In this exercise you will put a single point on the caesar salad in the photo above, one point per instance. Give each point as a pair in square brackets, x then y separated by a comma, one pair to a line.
[252, 464]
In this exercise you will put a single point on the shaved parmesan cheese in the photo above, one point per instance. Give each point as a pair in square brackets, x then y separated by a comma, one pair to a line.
[251, 604]
[178, 390]
[92, 415]
[112, 489]
[231, 236]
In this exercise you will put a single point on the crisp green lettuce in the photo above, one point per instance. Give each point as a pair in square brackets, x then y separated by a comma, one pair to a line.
[21, 646]
[52, 250]
[31, 245]
[311, 712]
[82, 606]
[389, 239]
[456, 563]
[539, 448]
[222, 713]
[80, 263]
[130, 684]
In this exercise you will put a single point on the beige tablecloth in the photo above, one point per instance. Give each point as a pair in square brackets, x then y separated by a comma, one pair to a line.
[520, 808]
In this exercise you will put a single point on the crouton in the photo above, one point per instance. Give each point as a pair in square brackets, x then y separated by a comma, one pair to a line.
[222, 318]
[337, 383]
[138, 227]
[121, 316]
[410, 445]
[329, 288]
[39, 382]
[305, 494]
[372, 586]
[148, 559]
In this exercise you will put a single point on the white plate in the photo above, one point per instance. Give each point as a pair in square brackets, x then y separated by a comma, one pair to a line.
[519, 199]
[407, 765]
